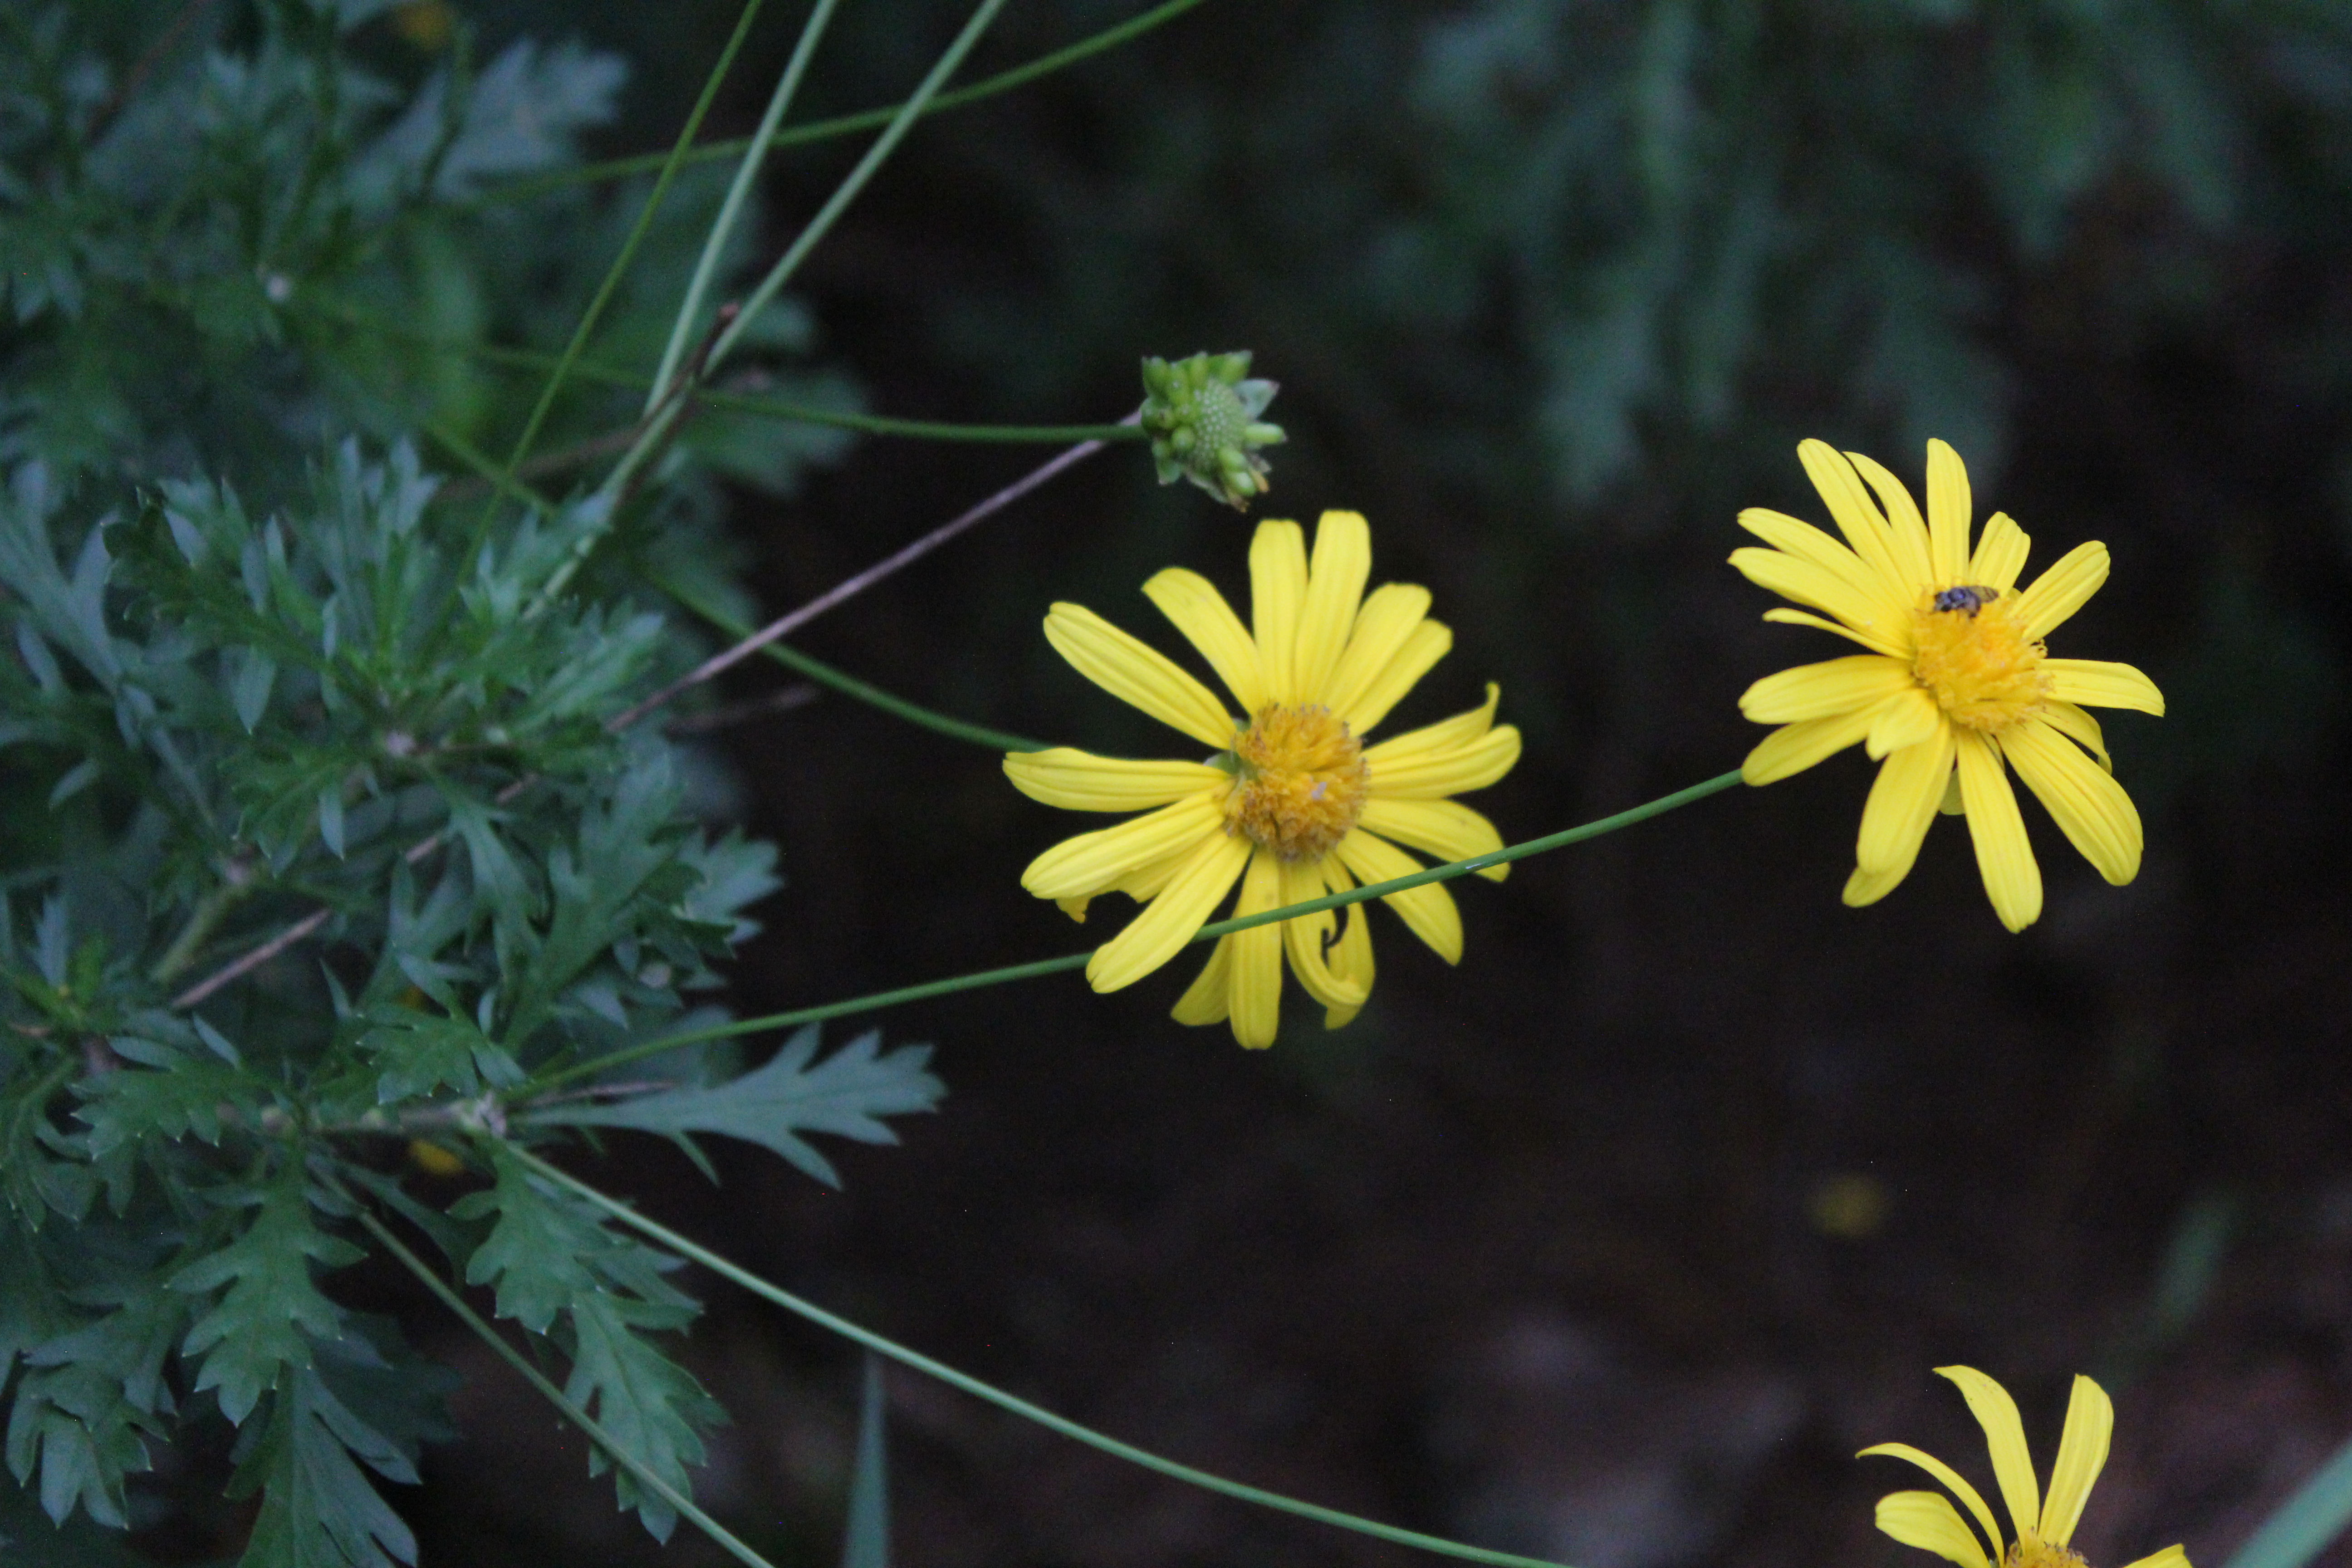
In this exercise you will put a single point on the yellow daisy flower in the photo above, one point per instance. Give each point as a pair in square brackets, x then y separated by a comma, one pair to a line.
[1293, 804]
[1956, 683]
[2044, 1525]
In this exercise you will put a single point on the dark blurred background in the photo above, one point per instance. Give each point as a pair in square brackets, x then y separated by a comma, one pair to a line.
[1613, 1243]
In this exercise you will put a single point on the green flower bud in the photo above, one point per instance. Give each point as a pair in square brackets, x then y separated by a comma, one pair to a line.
[1201, 415]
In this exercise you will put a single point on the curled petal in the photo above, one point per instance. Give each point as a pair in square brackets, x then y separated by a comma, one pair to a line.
[1208, 624]
[2065, 588]
[1821, 690]
[1335, 587]
[1928, 1521]
[1137, 673]
[2082, 1455]
[2093, 811]
[1080, 781]
[1988, 1402]
[1170, 921]
[2004, 857]
[2098, 683]
[1950, 1478]
[1277, 561]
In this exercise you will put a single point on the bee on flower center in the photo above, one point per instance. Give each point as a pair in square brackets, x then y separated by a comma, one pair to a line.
[1968, 599]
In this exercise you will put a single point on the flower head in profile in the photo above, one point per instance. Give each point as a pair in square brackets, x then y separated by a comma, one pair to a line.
[2043, 1527]
[1956, 682]
[1292, 803]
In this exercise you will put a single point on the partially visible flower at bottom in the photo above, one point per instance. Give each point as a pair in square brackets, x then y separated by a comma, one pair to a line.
[2045, 1526]
[1293, 804]
[1956, 682]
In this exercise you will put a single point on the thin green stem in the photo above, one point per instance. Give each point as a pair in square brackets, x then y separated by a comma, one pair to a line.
[986, 977]
[585, 369]
[851, 124]
[620, 266]
[2307, 1523]
[714, 243]
[854, 182]
[849, 685]
[637, 1467]
[487, 468]
[1099, 1441]
[201, 924]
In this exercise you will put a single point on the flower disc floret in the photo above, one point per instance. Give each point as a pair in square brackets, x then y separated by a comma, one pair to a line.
[1299, 782]
[1954, 688]
[1294, 805]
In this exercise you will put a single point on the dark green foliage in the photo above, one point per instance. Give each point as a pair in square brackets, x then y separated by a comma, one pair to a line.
[317, 834]
[559, 1268]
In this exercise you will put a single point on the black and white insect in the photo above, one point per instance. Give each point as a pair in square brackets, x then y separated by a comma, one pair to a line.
[1968, 599]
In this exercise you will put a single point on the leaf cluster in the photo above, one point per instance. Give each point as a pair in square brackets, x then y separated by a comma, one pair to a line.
[319, 837]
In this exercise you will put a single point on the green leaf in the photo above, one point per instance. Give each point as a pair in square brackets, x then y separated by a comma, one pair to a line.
[90, 1398]
[845, 1094]
[650, 1404]
[318, 1508]
[421, 1052]
[549, 1254]
[271, 1311]
[188, 1095]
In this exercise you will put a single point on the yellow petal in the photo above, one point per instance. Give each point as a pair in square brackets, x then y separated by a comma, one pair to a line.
[1445, 829]
[1307, 939]
[1351, 959]
[1950, 1478]
[2098, 683]
[1801, 618]
[1256, 987]
[1948, 507]
[1434, 774]
[1389, 614]
[1208, 1000]
[1821, 690]
[1335, 587]
[1435, 921]
[1080, 781]
[1902, 800]
[1208, 624]
[1988, 1402]
[1907, 529]
[1170, 921]
[1805, 582]
[1809, 544]
[1856, 517]
[2000, 553]
[1423, 645]
[1793, 748]
[1277, 591]
[2090, 809]
[2082, 1454]
[1928, 1521]
[1906, 719]
[2170, 1557]
[1093, 862]
[1446, 735]
[2065, 588]
[2004, 857]
[1136, 673]
[1864, 888]
[2080, 728]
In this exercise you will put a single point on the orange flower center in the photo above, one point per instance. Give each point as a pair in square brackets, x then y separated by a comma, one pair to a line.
[1971, 654]
[2032, 1552]
[1300, 781]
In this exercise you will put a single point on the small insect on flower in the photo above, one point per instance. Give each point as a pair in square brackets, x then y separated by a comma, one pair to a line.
[2045, 1527]
[1955, 686]
[1967, 599]
[1294, 805]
